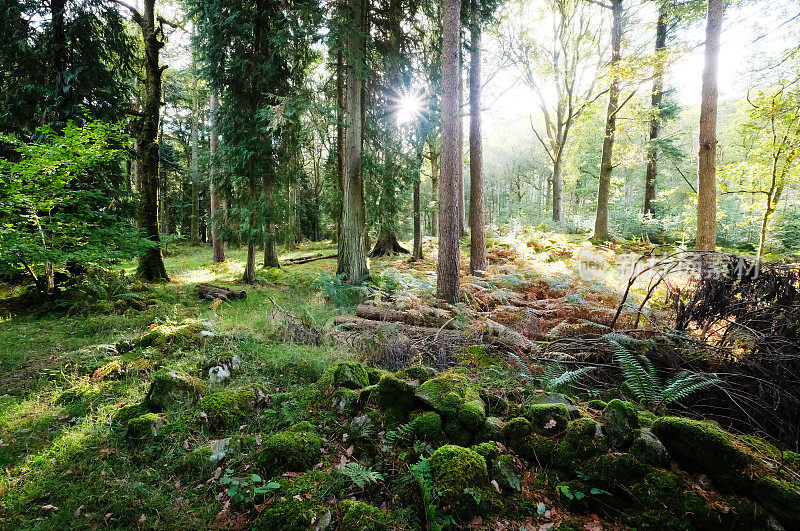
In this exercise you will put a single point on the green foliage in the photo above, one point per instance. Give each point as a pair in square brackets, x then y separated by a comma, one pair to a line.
[646, 384]
[360, 475]
[245, 490]
[61, 200]
[555, 377]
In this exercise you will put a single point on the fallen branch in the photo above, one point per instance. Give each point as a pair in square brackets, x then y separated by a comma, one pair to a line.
[211, 292]
[416, 318]
[307, 259]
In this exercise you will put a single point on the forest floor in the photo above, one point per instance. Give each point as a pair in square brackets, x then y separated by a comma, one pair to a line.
[128, 405]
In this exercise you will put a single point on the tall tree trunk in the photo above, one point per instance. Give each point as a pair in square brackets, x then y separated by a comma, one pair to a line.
[447, 282]
[341, 112]
[655, 108]
[435, 190]
[416, 253]
[707, 171]
[352, 262]
[194, 222]
[606, 159]
[477, 228]
[462, 212]
[151, 263]
[59, 51]
[216, 200]
[773, 197]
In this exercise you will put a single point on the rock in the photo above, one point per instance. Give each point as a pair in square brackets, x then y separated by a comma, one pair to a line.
[345, 400]
[362, 427]
[648, 449]
[504, 471]
[360, 516]
[418, 373]
[126, 413]
[427, 426]
[547, 419]
[454, 469]
[582, 440]
[492, 430]
[395, 397]
[619, 420]
[226, 409]
[296, 450]
[222, 369]
[447, 392]
[171, 389]
[556, 398]
[472, 415]
[351, 375]
[516, 430]
[219, 449]
[144, 427]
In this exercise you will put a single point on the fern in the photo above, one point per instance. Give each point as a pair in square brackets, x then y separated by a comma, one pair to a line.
[360, 475]
[644, 381]
[555, 377]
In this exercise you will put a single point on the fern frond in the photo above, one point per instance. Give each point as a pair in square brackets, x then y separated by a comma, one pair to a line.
[360, 475]
[563, 379]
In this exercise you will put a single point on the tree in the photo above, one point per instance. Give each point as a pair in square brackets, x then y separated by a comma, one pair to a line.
[656, 97]
[707, 160]
[606, 159]
[352, 260]
[217, 206]
[561, 65]
[194, 228]
[477, 227]
[448, 265]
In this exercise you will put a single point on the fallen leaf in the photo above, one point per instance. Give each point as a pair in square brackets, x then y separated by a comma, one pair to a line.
[49, 507]
[495, 485]
[258, 439]
[78, 510]
[142, 518]
[344, 437]
[106, 518]
[349, 451]
[186, 444]
[550, 424]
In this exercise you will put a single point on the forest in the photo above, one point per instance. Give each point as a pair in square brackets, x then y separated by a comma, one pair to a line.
[400, 264]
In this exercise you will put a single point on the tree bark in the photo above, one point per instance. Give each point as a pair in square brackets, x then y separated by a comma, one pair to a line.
[151, 263]
[195, 217]
[417, 251]
[435, 190]
[477, 228]
[352, 261]
[655, 107]
[447, 282]
[606, 159]
[387, 244]
[462, 212]
[250, 267]
[59, 50]
[216, 201]
[707, 172]
[341, 112]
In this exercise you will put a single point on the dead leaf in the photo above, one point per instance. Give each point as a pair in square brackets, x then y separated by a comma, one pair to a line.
[291, 474]
[106, 518]
[349, 452]
[258, 439]
[78, 511]
[49, 507]
[142, 518]
[550, 424]
[186, 444]
[496, 486]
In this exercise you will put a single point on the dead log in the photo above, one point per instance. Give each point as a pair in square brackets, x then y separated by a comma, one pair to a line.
[211, 292]
[415, 318]
[307, 259]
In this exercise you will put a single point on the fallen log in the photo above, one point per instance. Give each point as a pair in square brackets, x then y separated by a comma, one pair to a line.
[413, 318]
[307, 259]
[211, 292]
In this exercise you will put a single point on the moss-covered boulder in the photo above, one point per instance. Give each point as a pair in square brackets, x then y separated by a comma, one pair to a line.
[619, 420]
[289, 515]
[492, 430]
[516, 430]
[126, 413]
[547, 419]
[427, 426]
[345, 400]
[505, 471]
[296, 449]
[538, 449]
[226, 409]
[614, 470]
[171, 389]
[472, 415]
[597, 404]
[555, 398]
[582, 440]
[143, 427]
[351, 375]
[394, 396]
[648, 448]
[170, 336]
[646, 418]
[418, 373]
[447, 392]
[360, 516]
[456, 468]
[780, 499]
[457, 434]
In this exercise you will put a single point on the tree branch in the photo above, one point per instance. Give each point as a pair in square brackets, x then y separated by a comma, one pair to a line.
[137, 17]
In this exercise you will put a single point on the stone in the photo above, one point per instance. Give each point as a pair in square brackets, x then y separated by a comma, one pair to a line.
[171, 389]
[648, 449]
[619, 420]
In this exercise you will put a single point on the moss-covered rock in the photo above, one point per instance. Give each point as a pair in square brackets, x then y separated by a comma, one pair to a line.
[345, 400]
[376, 373]
[619, 420]
[394, 396]
[780, 499]
[456, 433]
[289, 515]
[427, 426]
[143, 427]
[504, 471]
[170, 336]
[596, 404]
[555, 398]
[582, 440]
[226, 409]
[547, 419]
[472, 415]
[646, 418]
[492, 430]
[456, 468]
[419, 373]
[126, 413]
[171, 389]
[612, 470]
[516, 430]
[447, 392]
[350, 374]
[291, 450]
[539, 449]
[487, 450]
[360, 516]
[648, 448]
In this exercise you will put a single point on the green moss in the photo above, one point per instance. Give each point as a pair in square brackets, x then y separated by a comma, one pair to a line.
[345, 401]
[419, 373]
[226, 409]
[358, 516]
[780, 499]
[171, 389]
[395, 397]
[599, 405]
[446, 392]
[456, 433]
[582, 440]
[648, 448]
[619, 420]
[170, 336]
[200, 460]
[427, 426]
[350, 374]
[472, 415]
[487, 450]
[610, 470]
[504, 471]
[516, 430]
[646, 418]
[547, 419]
[456, 468]
[539, 449]
[375, 374]
[77, 395]
[126, 413]
[143, 427]
[492, 430]
[302, 426]
[289, 515]
[294, 451]
[450, 404]
[792, 458]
